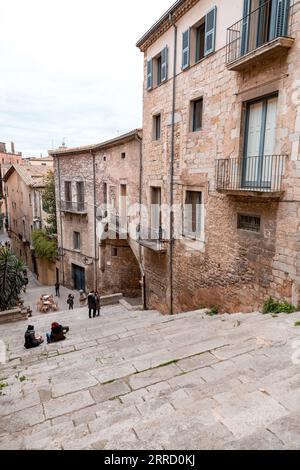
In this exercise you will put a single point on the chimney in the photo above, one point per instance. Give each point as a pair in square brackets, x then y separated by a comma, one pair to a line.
[12, 146]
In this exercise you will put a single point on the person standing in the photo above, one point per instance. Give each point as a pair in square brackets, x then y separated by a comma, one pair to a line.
[98, 303]
[70, 301]
[57, 293]
[92, 304]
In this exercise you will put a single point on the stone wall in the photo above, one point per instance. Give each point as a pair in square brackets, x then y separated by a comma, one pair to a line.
[114, 274]
[232, 269]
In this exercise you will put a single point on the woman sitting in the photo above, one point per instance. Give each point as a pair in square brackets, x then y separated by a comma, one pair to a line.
[32, 341]
[57, 333]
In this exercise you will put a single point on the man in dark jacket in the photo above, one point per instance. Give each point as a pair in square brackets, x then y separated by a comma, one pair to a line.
[92, 304]
[31, 341]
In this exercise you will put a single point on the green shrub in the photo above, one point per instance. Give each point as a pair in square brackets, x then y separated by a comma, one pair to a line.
[44, 246]
[297, 323]
[275, 306]
[213, 311]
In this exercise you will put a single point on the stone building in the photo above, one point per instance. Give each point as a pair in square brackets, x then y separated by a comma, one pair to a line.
[23, 185]
[97, 187]
[7, 158]
[221, 131]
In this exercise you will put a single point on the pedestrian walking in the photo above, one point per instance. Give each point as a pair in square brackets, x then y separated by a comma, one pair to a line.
[92, 304]
[70, 301]
[57, 286]
[98, 303]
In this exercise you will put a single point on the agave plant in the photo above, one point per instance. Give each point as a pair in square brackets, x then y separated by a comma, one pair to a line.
[12, 278]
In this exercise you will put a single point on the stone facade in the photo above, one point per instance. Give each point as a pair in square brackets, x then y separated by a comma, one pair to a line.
[23, 185]
[230, 268]
[6, 160]
[103, 261]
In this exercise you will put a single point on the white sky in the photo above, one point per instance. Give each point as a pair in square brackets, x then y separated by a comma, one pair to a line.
[70, 69]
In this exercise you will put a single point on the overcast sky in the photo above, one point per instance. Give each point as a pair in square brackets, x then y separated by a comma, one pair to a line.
[70, 69]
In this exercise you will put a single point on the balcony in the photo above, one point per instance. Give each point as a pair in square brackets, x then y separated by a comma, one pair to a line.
[114, 224]
[153, 238]
[251, 176]
[261, 34]
[74, 207]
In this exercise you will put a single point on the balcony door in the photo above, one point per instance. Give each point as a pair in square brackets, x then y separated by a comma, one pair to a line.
[263, 21]
[155, 213]
[260, 135]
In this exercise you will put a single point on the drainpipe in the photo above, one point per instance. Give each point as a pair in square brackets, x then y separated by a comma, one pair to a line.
[172, 168]
[95, 224]
[61, 225]
[140, 140]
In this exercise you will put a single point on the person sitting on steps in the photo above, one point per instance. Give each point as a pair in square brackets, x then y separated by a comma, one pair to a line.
[57, 333]
[32, 341]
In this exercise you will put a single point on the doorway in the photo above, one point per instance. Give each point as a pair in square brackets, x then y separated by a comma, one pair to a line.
[259, 147]
[78, 277]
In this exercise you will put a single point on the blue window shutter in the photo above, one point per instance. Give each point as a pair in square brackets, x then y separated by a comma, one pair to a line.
[245, 27]
[164, 64]
[210, 31]
[279, 18]
[149, 74]
[185, 49]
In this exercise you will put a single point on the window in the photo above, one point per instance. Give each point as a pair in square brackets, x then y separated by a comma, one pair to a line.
[123, 155]
[156, 127]
[249, 222]
[192, 226]
[104, 158]
[80, 195]
[30, 199]
[197, 110]
[157, 69]
[114, 251]
[199, 40]
[68, 191]
[76, 241]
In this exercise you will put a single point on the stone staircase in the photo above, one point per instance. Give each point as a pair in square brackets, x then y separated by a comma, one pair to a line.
[139, 380]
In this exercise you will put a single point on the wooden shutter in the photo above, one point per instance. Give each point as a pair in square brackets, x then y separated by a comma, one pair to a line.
[279, 18]
[149, 74]
[210, 31]
[164, 64]
[185, 49]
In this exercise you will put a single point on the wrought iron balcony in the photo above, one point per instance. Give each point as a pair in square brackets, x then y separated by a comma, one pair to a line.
[74, 207]
[251, 174]
[263, 32]
[154, 238]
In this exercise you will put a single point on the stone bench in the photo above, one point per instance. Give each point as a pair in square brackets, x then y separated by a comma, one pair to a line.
[14, 315]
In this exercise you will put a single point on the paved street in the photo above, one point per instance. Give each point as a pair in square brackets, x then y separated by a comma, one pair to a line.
[138, 380]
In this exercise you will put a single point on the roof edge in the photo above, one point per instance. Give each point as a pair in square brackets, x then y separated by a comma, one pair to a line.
[177, 10]
[95, 147]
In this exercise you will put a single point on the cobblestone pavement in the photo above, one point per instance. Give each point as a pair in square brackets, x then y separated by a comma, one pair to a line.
[35, 290]
[138, 380]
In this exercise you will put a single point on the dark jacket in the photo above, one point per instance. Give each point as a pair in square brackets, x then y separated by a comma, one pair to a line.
[92, 301]
[30, 340]
[58, 334]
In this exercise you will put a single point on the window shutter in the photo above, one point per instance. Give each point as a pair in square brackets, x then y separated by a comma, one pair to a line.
[210, 31]
[149, 74]
[279, 18]
[245, 27]
[164, 64]
[185, 49]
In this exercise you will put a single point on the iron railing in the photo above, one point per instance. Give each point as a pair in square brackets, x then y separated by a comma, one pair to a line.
[257, 28]
[152, 233]
[262, 174]
[74, 207]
